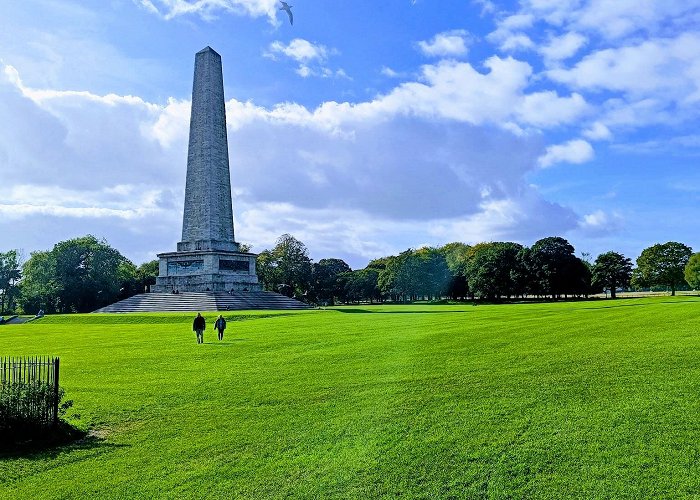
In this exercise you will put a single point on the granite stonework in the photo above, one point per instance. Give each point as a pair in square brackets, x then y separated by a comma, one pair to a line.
[208, 257]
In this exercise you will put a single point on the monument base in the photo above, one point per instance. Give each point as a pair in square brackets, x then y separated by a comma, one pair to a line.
[206, 271]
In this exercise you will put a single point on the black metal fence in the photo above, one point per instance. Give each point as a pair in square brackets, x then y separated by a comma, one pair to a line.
[29, 392]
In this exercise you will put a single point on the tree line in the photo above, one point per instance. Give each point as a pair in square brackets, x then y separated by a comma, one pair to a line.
[84, 274]
[492, 271]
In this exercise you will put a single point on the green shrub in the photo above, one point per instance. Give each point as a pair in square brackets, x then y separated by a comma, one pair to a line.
[27, 409]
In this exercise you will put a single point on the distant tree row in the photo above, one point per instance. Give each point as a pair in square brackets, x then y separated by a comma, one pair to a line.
[84, 274]
[492, 271]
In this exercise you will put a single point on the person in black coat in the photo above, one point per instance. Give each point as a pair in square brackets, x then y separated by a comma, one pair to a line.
[220, 326]
[198, 326]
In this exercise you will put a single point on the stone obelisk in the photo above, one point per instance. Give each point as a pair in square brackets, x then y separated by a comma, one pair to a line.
[208, 217]
[208, 257]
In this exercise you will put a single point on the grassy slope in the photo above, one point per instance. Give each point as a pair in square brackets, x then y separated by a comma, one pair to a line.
[575, 399]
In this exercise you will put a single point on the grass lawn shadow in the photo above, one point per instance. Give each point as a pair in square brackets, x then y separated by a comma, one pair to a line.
[64, 440]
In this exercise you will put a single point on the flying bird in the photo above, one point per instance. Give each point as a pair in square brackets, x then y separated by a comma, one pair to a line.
[288, 9]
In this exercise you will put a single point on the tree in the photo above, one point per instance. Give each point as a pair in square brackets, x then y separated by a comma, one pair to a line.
[286, 268]
[10, 274]
[553, 266]
[266, 267]
[493, 270]
[38, 288]
[663, 264]
[327, 282]
[610, 271]
[78, 275]
[692, 271]
[147, 273]
[457, 257]
[362, 285]
[433, 275]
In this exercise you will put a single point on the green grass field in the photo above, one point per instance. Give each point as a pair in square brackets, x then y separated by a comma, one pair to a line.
[567, 400]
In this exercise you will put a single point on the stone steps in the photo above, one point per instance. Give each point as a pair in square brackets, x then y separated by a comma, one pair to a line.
[203, 301]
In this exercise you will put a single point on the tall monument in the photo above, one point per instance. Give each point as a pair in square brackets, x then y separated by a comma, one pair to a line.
[208, 257]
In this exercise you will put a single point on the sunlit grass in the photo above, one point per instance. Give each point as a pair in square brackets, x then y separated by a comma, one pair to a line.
[582, 399]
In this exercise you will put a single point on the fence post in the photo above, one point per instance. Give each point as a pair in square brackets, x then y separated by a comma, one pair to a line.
[55, 391]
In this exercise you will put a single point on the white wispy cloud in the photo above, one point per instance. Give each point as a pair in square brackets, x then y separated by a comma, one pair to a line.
[575, 151]
[208, 9]
[601, 223]
[562, 47]
[446, 44]
[312, 57]
[300, 50]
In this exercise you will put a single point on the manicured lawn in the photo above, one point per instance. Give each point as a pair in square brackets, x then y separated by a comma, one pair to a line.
[584, 400]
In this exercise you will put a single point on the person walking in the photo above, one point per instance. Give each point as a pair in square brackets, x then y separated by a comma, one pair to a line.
[198, 326]
[220, 326]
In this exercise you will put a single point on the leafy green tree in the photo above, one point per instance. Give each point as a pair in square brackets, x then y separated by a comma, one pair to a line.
[266, 267]
[327, 281]
[286, 268]
[39, 287]
[493, 270]
[362, 284]
[433, 278]
[579, 278]
[147, 273]
[663, 264]
[10, 273]
[457, 259]
[692, 271]
[610, 271]
[553, 267]
[387, 277]
[78, 275]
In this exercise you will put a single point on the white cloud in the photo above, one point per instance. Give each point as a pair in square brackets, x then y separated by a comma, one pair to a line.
[613, 20]
[669, 66]
[207, 9]
[121, 201]
[311, 57]
[300, 50]
[601, 223]
[387, 71]
[624, 17]
[510, 35]
[487, 6]
[575, 151]
[562, 47]
[546, 109]
[445, 44]
[597, 131]
[455, 90]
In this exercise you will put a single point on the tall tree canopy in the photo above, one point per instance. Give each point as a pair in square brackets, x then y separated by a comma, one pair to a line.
[286, 268]
[10, 274]
[494, 270]
[552, 265]
[663, 264]
[78, 275]
[610, 271]
[692, 271]
[327, 280]
[457, 259]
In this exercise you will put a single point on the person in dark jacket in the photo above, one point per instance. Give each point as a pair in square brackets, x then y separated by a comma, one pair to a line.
[198, 326]
[220, 326]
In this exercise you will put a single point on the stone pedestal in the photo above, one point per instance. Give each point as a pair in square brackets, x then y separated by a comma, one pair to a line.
[207, 271]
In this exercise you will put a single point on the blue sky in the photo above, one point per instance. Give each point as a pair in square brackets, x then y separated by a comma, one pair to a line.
[364, 129]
